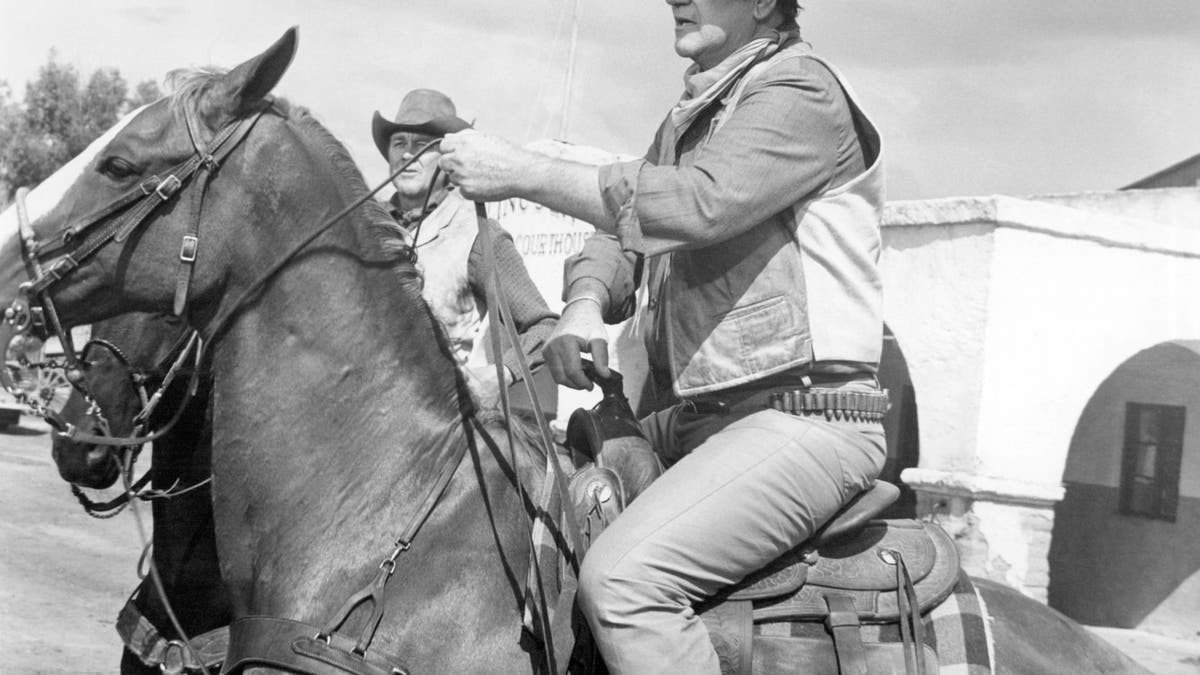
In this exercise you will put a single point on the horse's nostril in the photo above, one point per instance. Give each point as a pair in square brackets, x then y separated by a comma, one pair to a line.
[98, 454]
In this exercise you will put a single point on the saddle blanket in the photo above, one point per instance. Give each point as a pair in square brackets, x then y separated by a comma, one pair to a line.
[958, 631]
[549, 568]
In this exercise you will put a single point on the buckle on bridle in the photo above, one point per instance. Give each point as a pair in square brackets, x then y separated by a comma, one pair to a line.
[187, 252]
[61, 267]
[168, 187]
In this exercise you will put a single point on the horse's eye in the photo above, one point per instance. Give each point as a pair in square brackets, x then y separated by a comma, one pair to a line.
[117, 168]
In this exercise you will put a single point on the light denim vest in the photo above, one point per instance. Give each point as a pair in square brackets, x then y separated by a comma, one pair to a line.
[801, 288]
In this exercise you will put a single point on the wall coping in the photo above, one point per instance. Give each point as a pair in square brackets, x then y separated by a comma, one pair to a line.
[983, 488]
[1014, 213]
[1049, 219]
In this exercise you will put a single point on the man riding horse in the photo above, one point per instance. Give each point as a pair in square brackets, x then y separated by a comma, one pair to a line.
[756, 212]
[776, 257]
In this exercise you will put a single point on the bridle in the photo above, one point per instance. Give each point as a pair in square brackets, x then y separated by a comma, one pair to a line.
[160, 378]
[49, 262]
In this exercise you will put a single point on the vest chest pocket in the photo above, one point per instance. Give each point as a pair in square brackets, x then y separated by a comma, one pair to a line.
[765, 335]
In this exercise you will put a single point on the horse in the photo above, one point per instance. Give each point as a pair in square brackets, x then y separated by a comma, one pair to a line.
[127, 356]
[338, 414]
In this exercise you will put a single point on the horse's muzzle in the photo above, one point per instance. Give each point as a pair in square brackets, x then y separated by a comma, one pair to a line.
[85, 464]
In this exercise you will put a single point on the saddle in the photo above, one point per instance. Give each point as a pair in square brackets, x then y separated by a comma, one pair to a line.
[855, 571]
[807, 608]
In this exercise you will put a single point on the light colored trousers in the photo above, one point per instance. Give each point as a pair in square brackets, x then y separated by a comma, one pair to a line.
[749, 491]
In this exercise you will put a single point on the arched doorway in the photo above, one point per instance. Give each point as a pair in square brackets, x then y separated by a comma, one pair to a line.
[900, 424]
[1125, 548]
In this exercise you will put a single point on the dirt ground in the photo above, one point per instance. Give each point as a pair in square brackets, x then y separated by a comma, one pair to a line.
[64, 575]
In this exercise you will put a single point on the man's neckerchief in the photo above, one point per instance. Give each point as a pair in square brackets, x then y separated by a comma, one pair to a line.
[702, 87]
[410, 218]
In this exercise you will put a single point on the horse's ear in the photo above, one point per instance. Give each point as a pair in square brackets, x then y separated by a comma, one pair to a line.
[244, 87]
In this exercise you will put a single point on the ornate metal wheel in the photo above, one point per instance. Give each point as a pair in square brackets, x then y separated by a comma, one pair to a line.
[50, 386]
[41, 380]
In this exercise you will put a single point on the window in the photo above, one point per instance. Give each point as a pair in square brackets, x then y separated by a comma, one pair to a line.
[1150, 465]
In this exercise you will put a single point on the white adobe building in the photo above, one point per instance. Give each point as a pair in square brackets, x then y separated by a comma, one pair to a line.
[1053, 346]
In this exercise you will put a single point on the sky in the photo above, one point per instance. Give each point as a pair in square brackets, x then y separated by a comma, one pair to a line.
[972, 97]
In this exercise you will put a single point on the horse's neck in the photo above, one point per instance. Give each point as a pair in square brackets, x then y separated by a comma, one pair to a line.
[333, 347]
[335, 409]
[330, 379]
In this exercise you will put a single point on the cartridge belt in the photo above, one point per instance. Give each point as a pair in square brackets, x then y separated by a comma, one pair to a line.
[836, 403]
[839, 404]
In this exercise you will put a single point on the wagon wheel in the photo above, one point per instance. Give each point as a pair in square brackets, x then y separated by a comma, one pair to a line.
[44, 385]
[39, 381]
[51, 387]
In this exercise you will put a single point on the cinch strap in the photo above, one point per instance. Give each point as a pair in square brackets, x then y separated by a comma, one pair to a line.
[144, 639]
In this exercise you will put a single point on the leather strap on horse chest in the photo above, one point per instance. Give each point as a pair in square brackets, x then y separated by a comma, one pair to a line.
[304, 648]
[374, 591]
[288, 644]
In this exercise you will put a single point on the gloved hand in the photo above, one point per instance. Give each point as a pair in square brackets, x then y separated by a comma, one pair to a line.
[580, 330]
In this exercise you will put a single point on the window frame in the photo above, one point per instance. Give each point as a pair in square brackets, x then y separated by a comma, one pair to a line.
[1168, 459]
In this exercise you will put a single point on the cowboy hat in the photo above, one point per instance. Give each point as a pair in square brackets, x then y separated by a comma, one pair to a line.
[423, 111]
